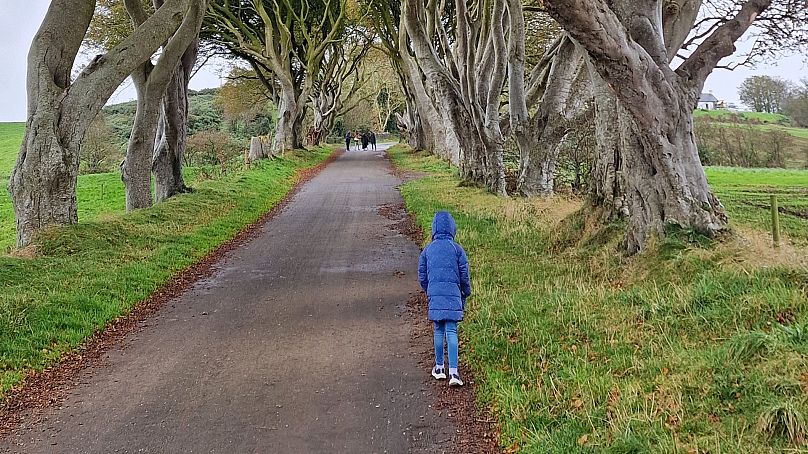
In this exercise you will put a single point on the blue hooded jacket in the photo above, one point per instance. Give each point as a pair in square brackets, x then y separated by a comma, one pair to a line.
[443, 271]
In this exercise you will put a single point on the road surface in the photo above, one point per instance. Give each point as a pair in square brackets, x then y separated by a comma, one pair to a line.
[298, 343]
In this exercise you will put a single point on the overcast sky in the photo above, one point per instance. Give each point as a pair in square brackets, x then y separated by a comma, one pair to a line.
[19, 21]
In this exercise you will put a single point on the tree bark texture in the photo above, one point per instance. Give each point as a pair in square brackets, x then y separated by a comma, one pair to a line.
[465, 85]
[607, 187]
[260, 148]
[616, 131]
[565, 99]
[151, 82]
[42, 185]
[664, 180]
[172, 130]
[435, 131]
[291, 112]
[136, 167]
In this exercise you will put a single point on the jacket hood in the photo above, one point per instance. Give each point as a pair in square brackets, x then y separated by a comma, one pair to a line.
[443, 225]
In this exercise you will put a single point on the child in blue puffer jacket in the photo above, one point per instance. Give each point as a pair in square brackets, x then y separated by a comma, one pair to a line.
[443, 270]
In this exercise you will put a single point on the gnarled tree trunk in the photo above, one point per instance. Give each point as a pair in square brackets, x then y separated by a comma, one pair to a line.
[616, 131]
[260, 148]
[664, 180]
[291, 112]
[465, 87]
[435, 131]
[136, 167]
[564, 99]
[151, 82]
[42, 185]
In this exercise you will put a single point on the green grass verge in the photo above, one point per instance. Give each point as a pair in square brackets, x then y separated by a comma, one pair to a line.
[683, 348]
[85, 275]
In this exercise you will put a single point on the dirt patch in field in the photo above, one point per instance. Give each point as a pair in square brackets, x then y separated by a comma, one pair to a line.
[802, 214]
[51, 385]
[753, 249]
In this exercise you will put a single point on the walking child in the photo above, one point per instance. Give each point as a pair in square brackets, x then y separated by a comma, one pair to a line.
[443, 271]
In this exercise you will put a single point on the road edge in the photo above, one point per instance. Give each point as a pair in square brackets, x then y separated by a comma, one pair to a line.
[49, 387]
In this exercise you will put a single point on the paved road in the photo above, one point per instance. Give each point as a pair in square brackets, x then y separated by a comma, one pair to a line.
[297, 343]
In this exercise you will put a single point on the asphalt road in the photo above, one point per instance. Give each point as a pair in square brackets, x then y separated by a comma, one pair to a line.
[298, 343]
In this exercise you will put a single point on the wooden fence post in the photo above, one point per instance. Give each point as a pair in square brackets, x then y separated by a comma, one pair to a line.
[775, 221]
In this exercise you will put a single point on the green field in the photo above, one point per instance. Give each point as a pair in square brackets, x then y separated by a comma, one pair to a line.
[746, 194]
[741, 117]
[691, 346]
[10, 138]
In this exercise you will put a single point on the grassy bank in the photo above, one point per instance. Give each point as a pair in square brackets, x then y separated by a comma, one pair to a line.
[85, 275]
[742, 117]
[684, 348]
[98, 194]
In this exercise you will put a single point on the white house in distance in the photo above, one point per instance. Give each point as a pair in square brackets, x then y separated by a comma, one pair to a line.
[708, 102]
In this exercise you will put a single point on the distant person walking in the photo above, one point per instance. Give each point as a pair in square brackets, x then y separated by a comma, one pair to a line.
[443, 271]
[348, 136]
[365, 140]
[356, 139]
[373, 140]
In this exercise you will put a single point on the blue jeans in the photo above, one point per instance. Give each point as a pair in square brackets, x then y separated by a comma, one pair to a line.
[447, 329]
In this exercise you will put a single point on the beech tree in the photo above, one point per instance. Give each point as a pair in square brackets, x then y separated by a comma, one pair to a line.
[113, 22]
[158, 134]
[559, 88]
[454, 59]
[285, 41]
[664, 183]
[419, 123]
[338, 81]
[60, 109]
[764, 93]
[465, 76]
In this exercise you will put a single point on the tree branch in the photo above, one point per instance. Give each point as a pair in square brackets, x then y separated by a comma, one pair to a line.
[721, 43]
[623, 64]
[106, 73]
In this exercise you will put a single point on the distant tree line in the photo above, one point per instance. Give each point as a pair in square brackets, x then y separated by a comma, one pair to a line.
[776, 95]
[742, 145]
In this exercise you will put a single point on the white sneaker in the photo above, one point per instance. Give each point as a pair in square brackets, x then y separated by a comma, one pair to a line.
[455, 380]
[438, 373]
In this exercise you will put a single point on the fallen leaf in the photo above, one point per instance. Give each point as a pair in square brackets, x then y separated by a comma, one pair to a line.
[583, 439]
